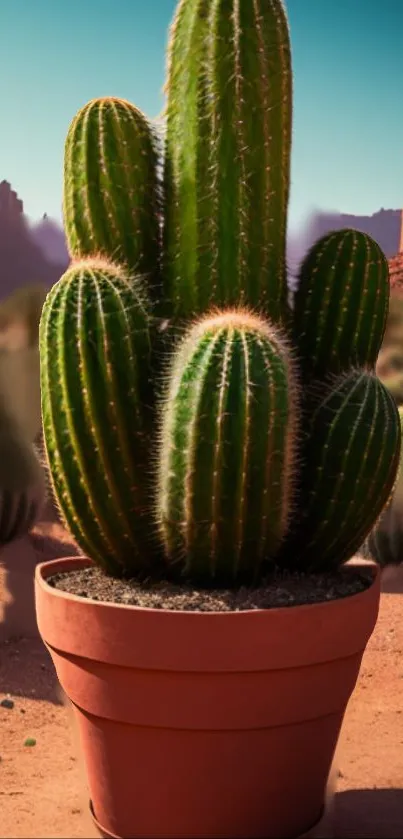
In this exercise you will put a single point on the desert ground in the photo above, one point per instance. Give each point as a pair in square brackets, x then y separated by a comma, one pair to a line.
[42, 784]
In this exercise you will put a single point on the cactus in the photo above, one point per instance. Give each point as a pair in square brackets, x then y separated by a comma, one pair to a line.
[277, 444]
[228, 143]
[350, 459]
[22, 481]
[95, 349]
[341, 304]
[111, 193]
[228, 443]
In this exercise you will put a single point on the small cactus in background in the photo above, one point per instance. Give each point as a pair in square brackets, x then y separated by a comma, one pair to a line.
[277, 444]
[22, 481]
[111, 194]
[228, 446]
[227, 149]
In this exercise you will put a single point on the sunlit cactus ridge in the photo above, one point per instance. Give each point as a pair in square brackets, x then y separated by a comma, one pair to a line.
[198, 424]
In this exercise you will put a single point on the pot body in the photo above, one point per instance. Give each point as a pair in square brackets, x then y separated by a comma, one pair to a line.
[205, 724]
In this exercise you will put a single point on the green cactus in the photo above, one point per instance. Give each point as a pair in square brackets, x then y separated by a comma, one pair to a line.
[22, 481]
[350, 458]
[228, 144]
[111, 193]
[384, 543]
[95, 350]
[341, 304]
[277, 444]
[228, 444]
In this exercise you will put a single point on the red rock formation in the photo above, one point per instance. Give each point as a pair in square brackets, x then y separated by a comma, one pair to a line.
[22, 261]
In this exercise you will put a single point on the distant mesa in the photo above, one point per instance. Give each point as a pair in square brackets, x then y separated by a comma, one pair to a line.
[385, 226]
[48, 234]
[11, 207]
[37, 253]
[28, 255]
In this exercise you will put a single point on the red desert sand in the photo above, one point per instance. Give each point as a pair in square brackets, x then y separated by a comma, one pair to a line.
[42, 783]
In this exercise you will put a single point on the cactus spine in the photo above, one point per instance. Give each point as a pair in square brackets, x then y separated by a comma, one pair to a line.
[94, 343]
[350, 459]
[341, 303]
[227, 449]
[110, 198]
[228, 145]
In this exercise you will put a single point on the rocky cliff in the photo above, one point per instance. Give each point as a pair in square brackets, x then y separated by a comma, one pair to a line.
[22, 261]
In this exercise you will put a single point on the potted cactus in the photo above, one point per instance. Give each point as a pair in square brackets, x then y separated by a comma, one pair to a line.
[218, 454]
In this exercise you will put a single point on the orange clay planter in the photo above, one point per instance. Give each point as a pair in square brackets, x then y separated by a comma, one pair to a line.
[205, 724]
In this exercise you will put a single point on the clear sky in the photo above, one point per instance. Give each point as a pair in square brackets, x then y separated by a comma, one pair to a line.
[348, 92]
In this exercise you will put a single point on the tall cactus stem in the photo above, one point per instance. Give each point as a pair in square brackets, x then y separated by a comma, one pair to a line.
[227, 160]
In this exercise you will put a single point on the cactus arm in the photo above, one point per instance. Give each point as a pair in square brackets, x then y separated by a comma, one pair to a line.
[111, 192]
[350, 461]
[94, 346]
[341, 304]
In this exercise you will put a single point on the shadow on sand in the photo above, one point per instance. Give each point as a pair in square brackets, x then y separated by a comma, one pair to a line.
[392, 582]
[26, 668]
[369, 814]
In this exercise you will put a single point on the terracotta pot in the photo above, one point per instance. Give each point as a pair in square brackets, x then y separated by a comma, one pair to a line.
[205, 724]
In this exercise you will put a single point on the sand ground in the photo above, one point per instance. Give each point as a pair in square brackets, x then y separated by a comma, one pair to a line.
[42, 786]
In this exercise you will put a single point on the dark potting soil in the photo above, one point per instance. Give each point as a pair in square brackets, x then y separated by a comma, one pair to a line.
[279, 589]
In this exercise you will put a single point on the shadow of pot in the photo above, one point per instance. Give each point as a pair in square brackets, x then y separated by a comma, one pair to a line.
[205, 724]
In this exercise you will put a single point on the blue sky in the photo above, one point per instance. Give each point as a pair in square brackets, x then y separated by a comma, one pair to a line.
[348, 110]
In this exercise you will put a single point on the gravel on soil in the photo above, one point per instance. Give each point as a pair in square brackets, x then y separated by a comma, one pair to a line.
[278, 590]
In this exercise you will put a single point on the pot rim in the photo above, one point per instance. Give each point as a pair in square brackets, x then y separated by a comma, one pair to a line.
[71, 563]
[233, 641]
